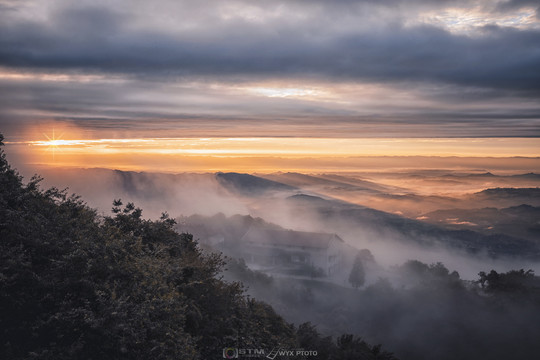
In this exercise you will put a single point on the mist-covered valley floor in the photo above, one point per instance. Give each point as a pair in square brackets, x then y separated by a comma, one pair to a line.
[432, 264]
[467, 220]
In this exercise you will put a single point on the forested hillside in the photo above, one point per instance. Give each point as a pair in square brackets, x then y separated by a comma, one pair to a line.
[420, 311]
[76, 285]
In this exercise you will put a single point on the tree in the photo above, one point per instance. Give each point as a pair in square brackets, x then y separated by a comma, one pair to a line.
[357, 277]
[366, 256]
[516, 282]
[350, 347]
[76, 285]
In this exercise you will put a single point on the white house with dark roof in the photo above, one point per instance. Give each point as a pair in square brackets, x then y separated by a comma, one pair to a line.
[288, 248]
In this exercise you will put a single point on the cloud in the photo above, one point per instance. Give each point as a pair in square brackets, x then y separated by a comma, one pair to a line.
[360, 65]
[101, 40]
[229, 109]
[519, 4]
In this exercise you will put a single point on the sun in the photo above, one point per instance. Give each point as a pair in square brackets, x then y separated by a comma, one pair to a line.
[53, 142]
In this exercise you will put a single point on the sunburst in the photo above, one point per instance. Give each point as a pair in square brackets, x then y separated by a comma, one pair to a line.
[53, 142]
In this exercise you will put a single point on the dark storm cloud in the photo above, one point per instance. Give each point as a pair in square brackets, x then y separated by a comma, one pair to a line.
[193, 66]
[518, 4]
[100, 40]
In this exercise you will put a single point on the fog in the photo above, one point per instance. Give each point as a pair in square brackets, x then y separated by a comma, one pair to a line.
[317, 203]
[419, 277]
[154, 193]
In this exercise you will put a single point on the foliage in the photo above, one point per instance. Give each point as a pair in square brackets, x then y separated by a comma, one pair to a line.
[366, 256]
[518, 284]
[75, 285]
[347, 346]
[357, 277]
[434, 276]
[244, 274]
[501, 319]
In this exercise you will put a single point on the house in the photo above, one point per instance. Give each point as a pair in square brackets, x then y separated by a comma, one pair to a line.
[293, 250]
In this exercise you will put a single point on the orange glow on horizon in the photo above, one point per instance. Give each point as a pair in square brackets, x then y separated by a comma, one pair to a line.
[496, 147]
[53, 143]
[259, 154]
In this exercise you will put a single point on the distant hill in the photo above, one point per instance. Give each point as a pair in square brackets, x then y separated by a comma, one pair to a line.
[339, 217]
[249, 184]
[509, 193]
[528, 176]
[326, 181]
[506, 197]
[235, 193]
[518, 221]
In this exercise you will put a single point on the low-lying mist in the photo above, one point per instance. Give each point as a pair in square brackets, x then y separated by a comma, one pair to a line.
[426, 290]
[153, 192]
[294, 203]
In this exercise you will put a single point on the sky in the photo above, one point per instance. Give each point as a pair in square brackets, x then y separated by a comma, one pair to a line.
[189, 79]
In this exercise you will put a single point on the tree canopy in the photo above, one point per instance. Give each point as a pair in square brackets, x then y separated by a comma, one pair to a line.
[357, 277]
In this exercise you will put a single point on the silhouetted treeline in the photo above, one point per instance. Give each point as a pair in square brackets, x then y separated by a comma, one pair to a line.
[75, 285]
